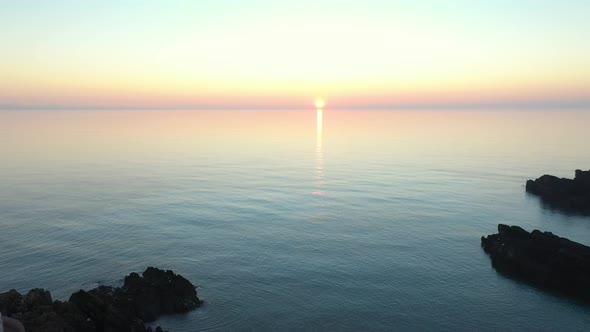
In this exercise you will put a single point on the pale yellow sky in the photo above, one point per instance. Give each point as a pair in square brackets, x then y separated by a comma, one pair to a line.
[275, 54]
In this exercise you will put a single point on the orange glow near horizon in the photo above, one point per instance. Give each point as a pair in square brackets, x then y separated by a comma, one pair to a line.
[119, 94]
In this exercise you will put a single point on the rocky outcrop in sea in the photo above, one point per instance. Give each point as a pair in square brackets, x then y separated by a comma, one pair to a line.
[142, 298]
[568, 194]
[542, 259]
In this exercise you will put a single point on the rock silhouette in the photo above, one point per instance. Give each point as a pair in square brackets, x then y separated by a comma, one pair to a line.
[568, 194]
[542, 259]
[141, 299]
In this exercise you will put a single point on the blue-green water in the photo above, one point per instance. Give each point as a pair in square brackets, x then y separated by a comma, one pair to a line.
[371, 222]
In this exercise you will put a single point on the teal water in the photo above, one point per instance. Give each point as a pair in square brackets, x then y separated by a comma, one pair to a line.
[370, 220]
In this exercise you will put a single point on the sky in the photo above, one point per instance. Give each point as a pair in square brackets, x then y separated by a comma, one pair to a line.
[284, 54]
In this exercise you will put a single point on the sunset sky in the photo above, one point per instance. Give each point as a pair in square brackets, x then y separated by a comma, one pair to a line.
[284, 54]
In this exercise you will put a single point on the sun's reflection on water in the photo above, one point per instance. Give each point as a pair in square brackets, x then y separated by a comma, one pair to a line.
[319, 155]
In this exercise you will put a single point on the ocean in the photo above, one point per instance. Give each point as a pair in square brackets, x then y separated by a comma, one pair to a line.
[292, 219]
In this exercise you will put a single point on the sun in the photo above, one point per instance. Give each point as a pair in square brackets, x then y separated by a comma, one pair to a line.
[320, 103]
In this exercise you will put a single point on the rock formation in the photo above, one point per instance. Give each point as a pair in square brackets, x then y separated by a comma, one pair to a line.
[141, 299]
[572, 195]
[542, 259]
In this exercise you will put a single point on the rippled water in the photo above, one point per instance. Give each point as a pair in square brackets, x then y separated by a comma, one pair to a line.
[345, 220]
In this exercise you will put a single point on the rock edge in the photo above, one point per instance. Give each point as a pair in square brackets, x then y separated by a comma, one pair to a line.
[542, 259]
[568, 194]
[141, 299]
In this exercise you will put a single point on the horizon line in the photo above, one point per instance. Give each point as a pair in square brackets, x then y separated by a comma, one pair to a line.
[577, 105]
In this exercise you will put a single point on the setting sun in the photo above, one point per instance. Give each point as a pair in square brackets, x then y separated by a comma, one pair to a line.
[320, 103]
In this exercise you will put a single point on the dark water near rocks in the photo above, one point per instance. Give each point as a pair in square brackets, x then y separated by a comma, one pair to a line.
[290, 220]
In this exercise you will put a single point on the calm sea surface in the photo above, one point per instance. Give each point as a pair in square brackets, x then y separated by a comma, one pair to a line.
[291, 220]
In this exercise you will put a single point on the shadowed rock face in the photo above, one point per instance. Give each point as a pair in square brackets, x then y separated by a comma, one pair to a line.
[541, 258]
[572, 195]
[141, 299]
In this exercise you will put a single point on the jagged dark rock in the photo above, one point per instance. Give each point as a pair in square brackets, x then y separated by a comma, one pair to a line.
[160, 292]
[542, 259]
[572, 195]
[141, 299]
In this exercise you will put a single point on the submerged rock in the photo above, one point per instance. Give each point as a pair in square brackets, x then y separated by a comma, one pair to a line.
[542, 259]
[572, 195]
[141, 299]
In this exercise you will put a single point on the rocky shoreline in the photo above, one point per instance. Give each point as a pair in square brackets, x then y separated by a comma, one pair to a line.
[568, 194]
[542, 259]
[141, 299]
